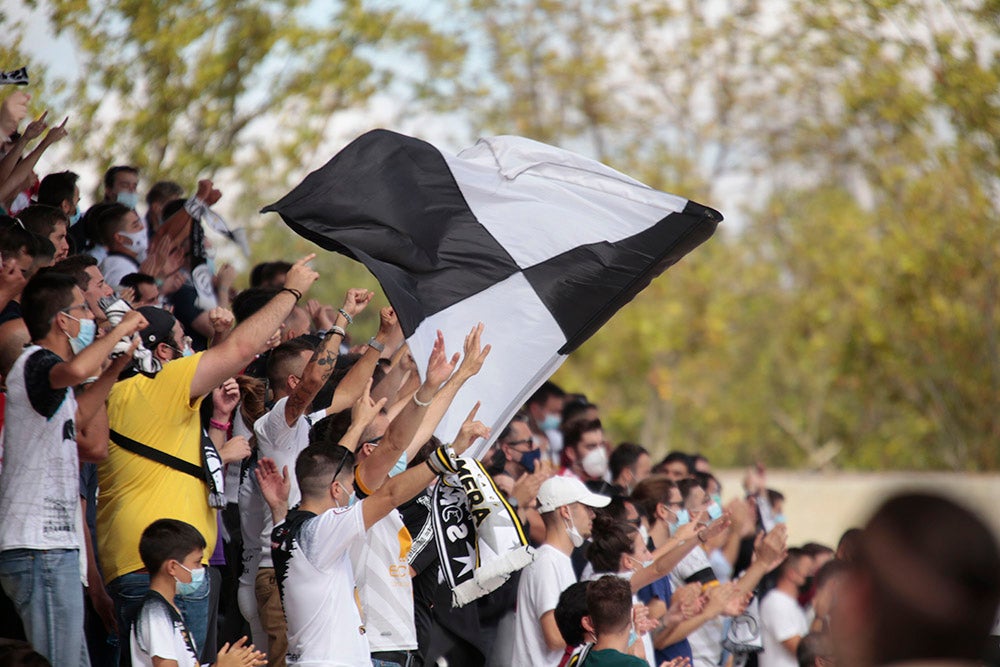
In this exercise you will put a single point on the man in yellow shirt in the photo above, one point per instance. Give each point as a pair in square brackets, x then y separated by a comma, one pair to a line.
[161, 411]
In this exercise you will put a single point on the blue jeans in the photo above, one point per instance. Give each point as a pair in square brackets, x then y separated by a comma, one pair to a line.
[46, 590]
[128, 592]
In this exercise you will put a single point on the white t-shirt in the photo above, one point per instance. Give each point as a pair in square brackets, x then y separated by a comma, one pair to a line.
[40, 482]
[114, 267]
[159, 632]
[317, 583]
[542, 581]
[781, 618]
[382, 575]
[706, 641]
[281, 442]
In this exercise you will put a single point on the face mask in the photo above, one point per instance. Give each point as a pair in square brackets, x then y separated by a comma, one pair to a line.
[130, 199]
[595, 463]
[88, 331]
[717, 498]
[714, 511]
[574, 535]
[351, 499]
[550, 423]
[529, 459]
[644, 534]
[779, 518]
[682, 518]
[75, 218]
[197, 579]
[399, 467]
[138, 243]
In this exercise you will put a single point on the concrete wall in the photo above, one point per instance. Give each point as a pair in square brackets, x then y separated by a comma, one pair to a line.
[820, 506]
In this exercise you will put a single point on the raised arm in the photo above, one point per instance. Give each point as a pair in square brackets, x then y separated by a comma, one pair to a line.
[472, 363]
[321, 365]
[88, 363]
[373, 470]
[768, 554]
[24, 167]
[350, 388]
[249, 338]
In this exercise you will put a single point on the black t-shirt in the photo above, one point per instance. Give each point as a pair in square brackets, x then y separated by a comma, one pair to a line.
[12, 311]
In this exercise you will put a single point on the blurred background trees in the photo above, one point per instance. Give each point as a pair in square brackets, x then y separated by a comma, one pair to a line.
[845, 315]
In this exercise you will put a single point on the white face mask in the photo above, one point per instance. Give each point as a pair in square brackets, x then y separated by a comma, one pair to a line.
[574, 535]
[139, 244]
[595, 463]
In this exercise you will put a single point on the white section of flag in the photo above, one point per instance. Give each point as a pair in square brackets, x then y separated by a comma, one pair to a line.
[539, 201]
[524, 337]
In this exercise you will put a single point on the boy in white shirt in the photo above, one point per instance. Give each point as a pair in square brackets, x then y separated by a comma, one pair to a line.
[173, 550]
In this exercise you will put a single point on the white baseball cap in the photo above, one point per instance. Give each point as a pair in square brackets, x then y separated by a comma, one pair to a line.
[558, 491]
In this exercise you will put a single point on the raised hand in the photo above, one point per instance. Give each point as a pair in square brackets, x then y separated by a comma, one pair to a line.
[274, 485]
[474, 354]
[715, 529]
[439, 368]
[356, 300]
[771, 548]
[301, 276]
[470, 431]
[225, 397]
[57, 133]
[365, 409]
[35, 127]
[221, 319]
[683, 661]
[13, 110]
[387, 321]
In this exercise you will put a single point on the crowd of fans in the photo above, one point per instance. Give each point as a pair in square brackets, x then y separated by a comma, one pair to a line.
[193, 474]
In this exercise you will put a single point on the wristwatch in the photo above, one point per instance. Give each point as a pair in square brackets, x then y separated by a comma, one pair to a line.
[374, 344]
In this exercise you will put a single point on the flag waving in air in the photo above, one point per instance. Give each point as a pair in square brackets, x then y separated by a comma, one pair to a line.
[540, 244]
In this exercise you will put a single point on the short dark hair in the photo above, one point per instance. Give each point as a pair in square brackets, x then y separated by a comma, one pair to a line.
[520, 417]
[76, 266]
[329, 430]
[43, 297]
[15, 238]
[830, 569]
[625, 455]
[265, 272]
[687, 485]
[575, 407]
[814, 645]
[673, 457]
[573, 432]
[282, 357]
[110, 174]
[168, 539]
[569, 613]
[42, 219]
[934, 575]
[609, 601]
[249, 301]
[545, 392]
[133, 280]
[105, 220]
[652, 491]
[792, 558]
[57, 188]
[316, 466]
[610, 539]
[164, 191]
[774, 497]
[814, 549]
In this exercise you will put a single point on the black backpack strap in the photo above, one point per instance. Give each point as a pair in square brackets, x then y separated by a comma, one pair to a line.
[148, 452]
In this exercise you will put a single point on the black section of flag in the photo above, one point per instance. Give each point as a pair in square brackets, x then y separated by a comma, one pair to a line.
[391, 202]
[585, 286]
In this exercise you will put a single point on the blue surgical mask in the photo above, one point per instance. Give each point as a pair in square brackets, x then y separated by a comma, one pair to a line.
[529, 459]
[88, 331]
[714, 511]
[75, 218]
[717, 498]
[779, 518]
[351, 499]
[130, 199]
[400, 466]
[682, 518]
[550, 423]
[197, 579]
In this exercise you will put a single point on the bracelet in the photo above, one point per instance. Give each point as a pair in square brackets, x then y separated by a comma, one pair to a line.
[336, 330]
[375, 345]
[347, 316]
[222, 426]
[419, 402]
[291, 290]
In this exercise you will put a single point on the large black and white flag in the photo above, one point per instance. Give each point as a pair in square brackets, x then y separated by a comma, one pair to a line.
[540, 244]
